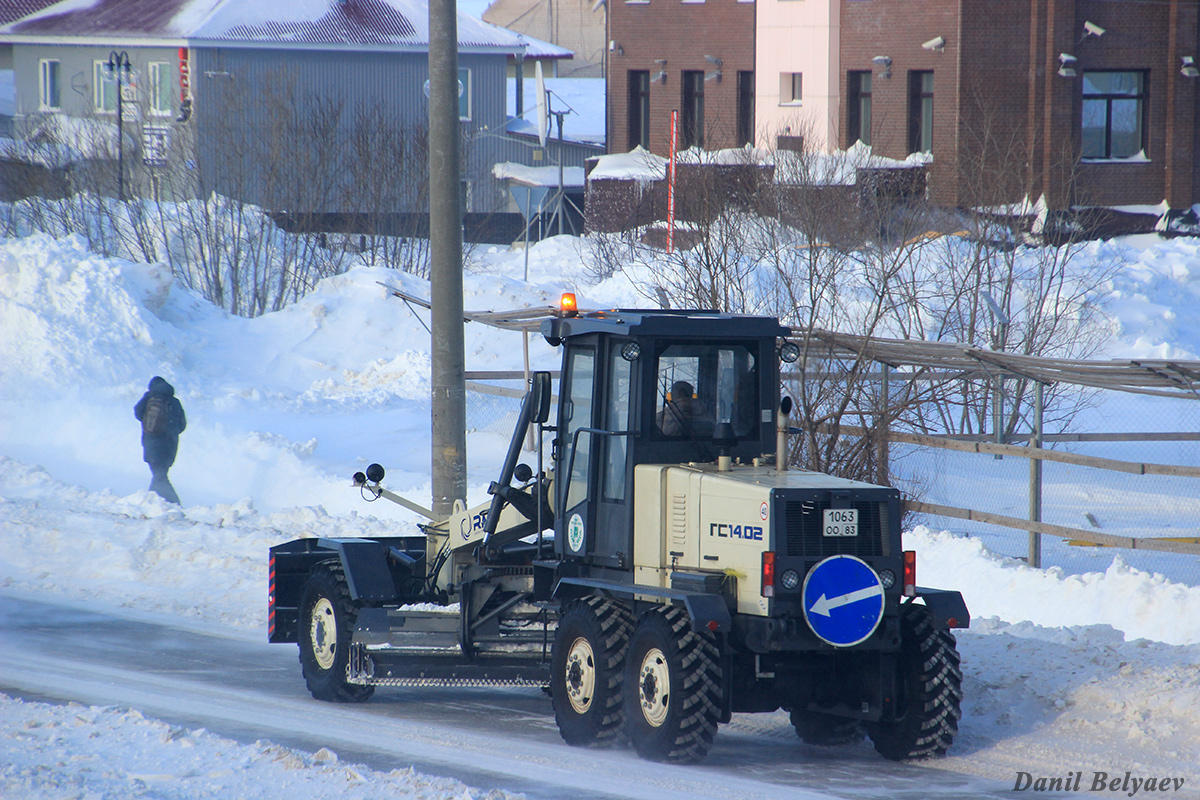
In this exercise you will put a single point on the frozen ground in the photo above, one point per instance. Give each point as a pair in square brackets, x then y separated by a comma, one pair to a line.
[1088, 669]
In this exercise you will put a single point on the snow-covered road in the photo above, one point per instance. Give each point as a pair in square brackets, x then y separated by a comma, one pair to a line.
[247, 690]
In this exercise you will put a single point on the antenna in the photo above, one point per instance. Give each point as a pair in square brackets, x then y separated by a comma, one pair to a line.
[543, 113]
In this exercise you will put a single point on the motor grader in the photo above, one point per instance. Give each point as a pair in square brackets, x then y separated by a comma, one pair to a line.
[662, 570]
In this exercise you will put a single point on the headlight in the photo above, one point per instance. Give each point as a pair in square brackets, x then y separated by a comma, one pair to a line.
[887, 578]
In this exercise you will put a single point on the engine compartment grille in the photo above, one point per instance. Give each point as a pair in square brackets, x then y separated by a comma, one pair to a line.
[803, 520]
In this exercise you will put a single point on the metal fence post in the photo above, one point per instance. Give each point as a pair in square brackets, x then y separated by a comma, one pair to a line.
[1035, 478]
[882, 424]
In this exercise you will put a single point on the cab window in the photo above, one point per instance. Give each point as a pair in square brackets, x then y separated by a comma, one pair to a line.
[700, 385]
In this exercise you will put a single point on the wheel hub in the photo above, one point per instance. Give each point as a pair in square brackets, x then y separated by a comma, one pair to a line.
[654, 687]
[322, 633]
[581, 675]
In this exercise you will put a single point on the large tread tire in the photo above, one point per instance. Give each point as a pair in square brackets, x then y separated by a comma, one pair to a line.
[826, 730]
[930, 691]
[588, 671]
[673, 688]
[327, 617]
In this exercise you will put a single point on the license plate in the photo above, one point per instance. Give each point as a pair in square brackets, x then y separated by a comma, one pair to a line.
[840, 522]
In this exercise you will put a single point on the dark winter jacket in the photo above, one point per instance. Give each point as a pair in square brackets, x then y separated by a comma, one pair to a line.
[160, 449]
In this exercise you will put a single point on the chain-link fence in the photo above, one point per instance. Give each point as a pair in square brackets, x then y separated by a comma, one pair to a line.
[1107, 496]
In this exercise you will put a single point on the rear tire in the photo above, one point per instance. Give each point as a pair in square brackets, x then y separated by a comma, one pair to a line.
[587, 670]
[327, 617]
[826, 730]
[929, 691]
[673, 688]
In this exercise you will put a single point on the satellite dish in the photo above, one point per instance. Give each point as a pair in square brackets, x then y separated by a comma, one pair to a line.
[543, 115]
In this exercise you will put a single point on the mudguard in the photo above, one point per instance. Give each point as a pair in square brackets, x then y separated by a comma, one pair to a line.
[948, 607]
[708, 612]
[365, 563]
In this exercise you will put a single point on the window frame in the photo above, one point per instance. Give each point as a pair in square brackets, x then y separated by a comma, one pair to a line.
[102, 88]
[920, 111]
[745, 107]
[49, 84]
[691, 92]
[791, 88]
[464, 99]
[638, 96]
[160, 87]
[1140, 97]
[858, 129]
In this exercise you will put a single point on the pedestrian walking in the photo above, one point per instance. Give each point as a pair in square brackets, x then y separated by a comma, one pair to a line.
[162, 418]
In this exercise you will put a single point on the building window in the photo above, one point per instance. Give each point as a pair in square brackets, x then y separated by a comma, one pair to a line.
[920, 111]
[745, 107]
[858, 107]
[791, 85]
[50, 98]
[639, 109]
[160, 88]
[464, 93]
[693, 109]
[1113, 114]
[104, 87]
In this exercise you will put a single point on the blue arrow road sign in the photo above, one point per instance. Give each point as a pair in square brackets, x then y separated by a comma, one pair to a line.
[843, 600]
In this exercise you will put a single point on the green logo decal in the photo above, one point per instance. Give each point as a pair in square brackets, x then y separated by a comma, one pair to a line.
[575, 533]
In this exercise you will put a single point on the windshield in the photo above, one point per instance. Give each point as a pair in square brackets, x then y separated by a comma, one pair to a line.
[700, 385]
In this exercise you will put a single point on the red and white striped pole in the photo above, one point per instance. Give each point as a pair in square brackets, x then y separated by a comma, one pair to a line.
[671, 183]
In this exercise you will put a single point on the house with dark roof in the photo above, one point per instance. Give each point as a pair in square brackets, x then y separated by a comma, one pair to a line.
[316, 106]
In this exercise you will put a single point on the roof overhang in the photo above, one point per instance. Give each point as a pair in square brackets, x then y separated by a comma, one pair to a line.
[107, 42]
[341, 47]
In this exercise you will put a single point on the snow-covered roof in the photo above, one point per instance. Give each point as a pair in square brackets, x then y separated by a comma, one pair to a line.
[169, 19]
[352, 22]
[313, 23]
[11, 10]
[537, 176]
[636, 165]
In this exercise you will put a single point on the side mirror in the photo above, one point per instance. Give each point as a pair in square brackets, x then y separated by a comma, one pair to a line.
[541, 397]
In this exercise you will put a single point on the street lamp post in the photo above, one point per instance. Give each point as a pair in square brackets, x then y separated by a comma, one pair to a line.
[118, 64]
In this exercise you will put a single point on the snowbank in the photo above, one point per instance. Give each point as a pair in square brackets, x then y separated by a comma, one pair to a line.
[89, 752]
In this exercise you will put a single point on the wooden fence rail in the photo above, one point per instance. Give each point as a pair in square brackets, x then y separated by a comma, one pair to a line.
[1062, 531]
[1162, 544]
[1023, 451]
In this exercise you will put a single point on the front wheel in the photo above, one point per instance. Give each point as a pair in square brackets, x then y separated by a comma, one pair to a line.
[587, 668]
[327, 616]
[929, 691]
[673, 688]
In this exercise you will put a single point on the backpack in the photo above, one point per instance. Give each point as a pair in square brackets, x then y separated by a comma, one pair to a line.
[154, 417]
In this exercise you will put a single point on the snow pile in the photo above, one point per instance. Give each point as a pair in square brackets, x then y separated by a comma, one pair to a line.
[1078, 693]
[67, 316]
[1158, 285]
[1142, 604]
[88, 752]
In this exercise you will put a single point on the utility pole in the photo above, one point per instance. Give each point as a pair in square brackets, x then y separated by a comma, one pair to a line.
[445, 244]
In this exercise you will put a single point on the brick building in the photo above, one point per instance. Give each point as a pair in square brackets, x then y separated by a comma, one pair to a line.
[694, 56]
[1086, 102]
